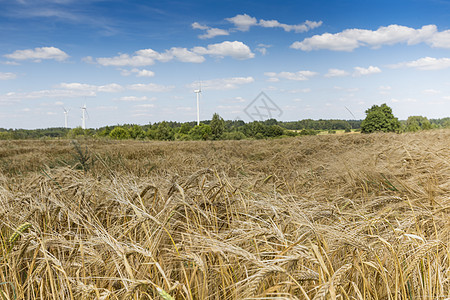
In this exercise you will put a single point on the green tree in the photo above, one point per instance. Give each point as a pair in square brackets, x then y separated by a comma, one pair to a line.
[415, 123]
[380, 118]
[5, 135]
[119, 133]
[164, 132]
[184, 129]
[76, 132]
[136, 132]
[201, 132]
[217, 126]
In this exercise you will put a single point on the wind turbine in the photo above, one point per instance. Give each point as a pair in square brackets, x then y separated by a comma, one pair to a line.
[66, 116]
[198, 102]
[83, 118]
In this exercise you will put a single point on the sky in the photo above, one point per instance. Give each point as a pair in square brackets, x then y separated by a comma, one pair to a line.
[139, 62]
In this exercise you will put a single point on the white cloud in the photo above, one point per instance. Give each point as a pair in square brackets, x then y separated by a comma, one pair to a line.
[384, 89]
[56, 93]
[242, 22]
[223, 83]
[136, 99]
[262, 48]
[236, 50]
[213, 32]
[125, 60]
[359, 71]
[147, 105]
[38, 54]
[298, 76]
[108, 88]
[351, 39]
[440, 40]
[146, 57]
[75, 89]
[404, 100]
[197, 25]
[10, 63]
[306, 26]
[431, 92]
[336, 73]
[149, 87]
[7, 76]
[210, 32]
[296, 91]
[425, 63]
[139, 73]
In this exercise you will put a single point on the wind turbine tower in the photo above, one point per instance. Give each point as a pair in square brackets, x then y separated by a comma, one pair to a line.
[198, 103]
[66, 113]
[83, 118]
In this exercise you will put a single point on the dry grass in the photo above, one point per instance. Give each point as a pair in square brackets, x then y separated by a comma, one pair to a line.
[324, 217]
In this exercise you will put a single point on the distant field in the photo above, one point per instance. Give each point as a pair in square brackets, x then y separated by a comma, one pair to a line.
[338, 216]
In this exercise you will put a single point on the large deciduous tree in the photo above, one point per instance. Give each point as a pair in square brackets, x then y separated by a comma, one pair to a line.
[217, 126]
[380, 118]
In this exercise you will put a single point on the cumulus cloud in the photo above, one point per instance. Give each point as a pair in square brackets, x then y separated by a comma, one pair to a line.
[243, 22]
[146, 57]
[149, 87]
[359, 71]
[210, 32]
[108, 88]
[76, 89]
[7, 76]
[306, 26]
[297, 76]
[38, 54]
[223, 83]
[350, 39]
[336, 73]
[236, 50]
[138, 72]
[425, 63]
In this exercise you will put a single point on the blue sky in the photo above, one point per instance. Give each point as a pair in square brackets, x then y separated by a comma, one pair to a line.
[139, 61]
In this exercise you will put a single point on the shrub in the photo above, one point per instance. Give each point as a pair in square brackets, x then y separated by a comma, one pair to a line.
[119, 133]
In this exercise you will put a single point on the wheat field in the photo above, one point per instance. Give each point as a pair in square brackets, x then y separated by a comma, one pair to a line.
[315, 217]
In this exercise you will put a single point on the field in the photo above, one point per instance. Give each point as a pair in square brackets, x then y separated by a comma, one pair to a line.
[314, 217]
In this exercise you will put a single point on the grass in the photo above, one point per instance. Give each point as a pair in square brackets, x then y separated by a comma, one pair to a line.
[315, 217]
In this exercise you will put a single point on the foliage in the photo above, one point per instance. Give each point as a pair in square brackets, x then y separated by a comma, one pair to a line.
[380, 118]
[5, 135]
[85, 160]
[228, 129]
[217, 126]
[415, 123]
[119, 133]
[136, 132]
[309, 132]
[76, 133]
[201, 132]
[164, 132]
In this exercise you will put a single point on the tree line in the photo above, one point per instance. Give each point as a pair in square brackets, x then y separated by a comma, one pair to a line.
[378, 118]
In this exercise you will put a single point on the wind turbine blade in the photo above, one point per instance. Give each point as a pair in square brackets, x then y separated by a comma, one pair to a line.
[350, 112]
